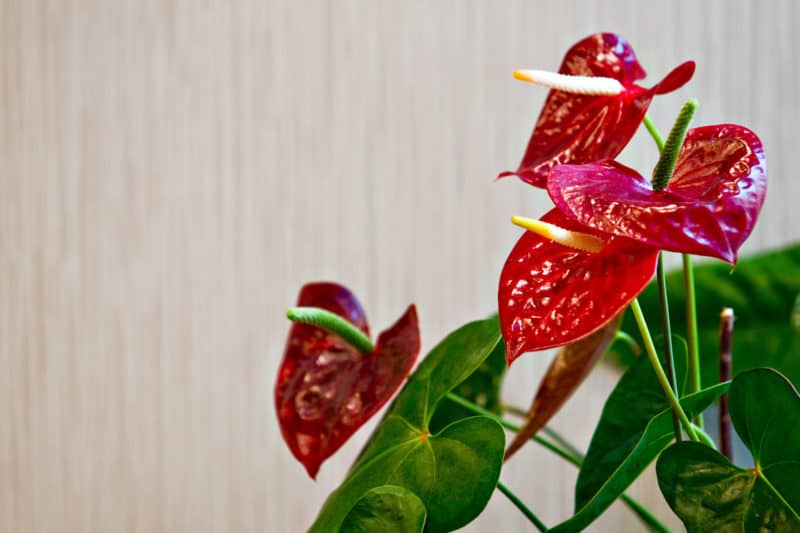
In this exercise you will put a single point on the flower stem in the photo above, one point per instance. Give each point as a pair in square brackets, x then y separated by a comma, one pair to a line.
[551, 433]
[659, 370]
[705, 438]
[513, 410]
[630, 341]
[466, 404]
[559, 439]
[672, 147]
[725, 357]
[521, 506]
[332, 323]
[688, 287]
[570, 454]
[691, 329]
[654, 133]
[669, 357]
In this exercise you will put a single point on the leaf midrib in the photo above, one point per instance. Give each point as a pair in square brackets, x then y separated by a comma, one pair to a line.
[776, 491]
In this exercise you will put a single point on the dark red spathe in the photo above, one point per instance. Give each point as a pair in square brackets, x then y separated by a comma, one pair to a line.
[576, 128]
[326, 389]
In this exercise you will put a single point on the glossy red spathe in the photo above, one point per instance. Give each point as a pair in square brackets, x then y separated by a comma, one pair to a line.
[550, 294]
[709, 207]
[326, 389]
[576, 128]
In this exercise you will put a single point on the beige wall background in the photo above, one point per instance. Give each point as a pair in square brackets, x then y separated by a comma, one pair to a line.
[173, 171]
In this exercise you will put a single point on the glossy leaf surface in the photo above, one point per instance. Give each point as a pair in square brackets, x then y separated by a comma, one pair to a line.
[570, 367]
[709, 207]
[761, 290]
[326, 389]
[481, 388]
[389, 509]
[576, 128]
[710, 494]
[765, 410]
[635, 426]
[551, 295]
[454, 471]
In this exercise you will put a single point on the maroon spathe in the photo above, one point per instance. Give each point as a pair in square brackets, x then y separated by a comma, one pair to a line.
[327, 389]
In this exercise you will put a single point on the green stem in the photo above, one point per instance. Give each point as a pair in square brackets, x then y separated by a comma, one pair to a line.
[571, 455]
[654, 133]
[659, 370]
[688, 287]
[672, 147]
[648, 518]
[666, 327]
[332, 323]
[521, 506]
[691, 329]
[477, 409]
[627, 339]
[547, 430]
[513, 410]
[556, 437]
[705, 438]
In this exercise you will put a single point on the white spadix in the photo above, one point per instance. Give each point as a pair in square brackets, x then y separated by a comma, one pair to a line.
[587, 85]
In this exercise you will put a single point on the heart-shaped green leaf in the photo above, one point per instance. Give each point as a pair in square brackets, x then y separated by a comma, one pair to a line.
[453, 472]
[387, 508]
[710, 494]
[636, 424]
[762, 291]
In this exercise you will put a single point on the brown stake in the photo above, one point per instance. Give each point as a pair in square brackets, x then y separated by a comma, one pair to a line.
[725, 354]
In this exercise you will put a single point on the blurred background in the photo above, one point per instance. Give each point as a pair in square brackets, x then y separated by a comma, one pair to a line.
[173, 171]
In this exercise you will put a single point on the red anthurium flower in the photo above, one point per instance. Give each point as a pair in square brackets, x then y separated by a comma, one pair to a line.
[708, 208]
[326, 388]
[551, 294]
[580, 128]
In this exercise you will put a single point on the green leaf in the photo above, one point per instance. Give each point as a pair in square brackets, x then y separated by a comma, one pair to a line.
[762, 291]
[630, 407]
[710, 494]
[386, 508]
[635, 426]
[452, 472]
[481, 388]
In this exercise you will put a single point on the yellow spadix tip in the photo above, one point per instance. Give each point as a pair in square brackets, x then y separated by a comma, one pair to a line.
[524, 75]
[572, 239]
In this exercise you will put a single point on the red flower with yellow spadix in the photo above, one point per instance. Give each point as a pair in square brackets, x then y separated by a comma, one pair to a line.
[572, 272]
[594, 107]
[709, 206]
[563, 281]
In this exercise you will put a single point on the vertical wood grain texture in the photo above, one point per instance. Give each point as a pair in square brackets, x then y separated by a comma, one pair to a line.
[173, 171]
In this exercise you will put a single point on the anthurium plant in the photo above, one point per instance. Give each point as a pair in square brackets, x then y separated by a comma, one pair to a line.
[586, 277]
